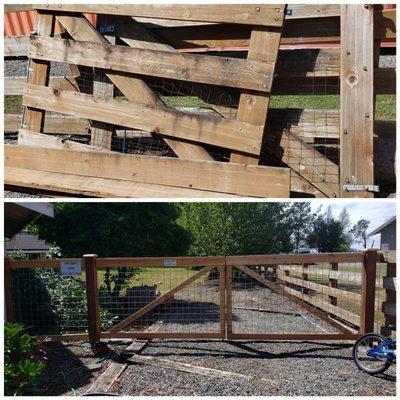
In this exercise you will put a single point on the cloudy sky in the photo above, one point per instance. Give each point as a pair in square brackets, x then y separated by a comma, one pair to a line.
[377, 212]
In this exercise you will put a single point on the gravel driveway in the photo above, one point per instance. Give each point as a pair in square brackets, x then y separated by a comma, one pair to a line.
[307, 368]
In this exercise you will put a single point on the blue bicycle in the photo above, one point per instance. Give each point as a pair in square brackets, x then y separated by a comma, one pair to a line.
[373, 353]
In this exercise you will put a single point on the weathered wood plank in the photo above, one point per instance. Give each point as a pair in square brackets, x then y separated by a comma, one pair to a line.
[39, 73]
[204, 129]
[16, 46]
[253, 14]
[223, 71]
[357, 98]
[104, 382]
[76, 185]
[253, 107]
[203, 175]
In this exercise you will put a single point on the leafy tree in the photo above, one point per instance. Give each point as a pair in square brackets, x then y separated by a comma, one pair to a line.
[236, 228]
[329, 234]
[301, 219]
[359, 231]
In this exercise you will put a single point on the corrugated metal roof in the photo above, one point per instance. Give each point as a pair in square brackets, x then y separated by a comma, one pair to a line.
[22, 23]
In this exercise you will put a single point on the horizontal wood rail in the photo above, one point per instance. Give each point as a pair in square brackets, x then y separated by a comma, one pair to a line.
[294, 258]
[252, 14]
[212, 130]
[206, 175]
[223, 71]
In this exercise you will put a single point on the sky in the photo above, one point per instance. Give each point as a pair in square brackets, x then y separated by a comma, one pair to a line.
[377, 212]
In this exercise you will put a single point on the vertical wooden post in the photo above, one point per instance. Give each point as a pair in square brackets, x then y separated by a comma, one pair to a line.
[92, 293]
[368, 291]
[39, 72]
[253, 107]
[229, 305]
[222, 311]
[356, 98]
[333, 283]
[8, 291]
[389, 305]
[287, 273]
[274, 272]
[304, 276]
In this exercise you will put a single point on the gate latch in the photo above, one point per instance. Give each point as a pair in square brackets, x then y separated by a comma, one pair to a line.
[368, 188]
[106, 29]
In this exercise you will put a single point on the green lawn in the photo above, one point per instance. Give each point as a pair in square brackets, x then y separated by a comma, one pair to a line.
[385, 104]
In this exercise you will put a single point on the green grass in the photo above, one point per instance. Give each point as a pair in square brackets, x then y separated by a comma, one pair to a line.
[385, 104]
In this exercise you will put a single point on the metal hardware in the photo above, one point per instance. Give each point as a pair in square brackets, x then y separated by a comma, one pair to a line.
[289, 11]
[368, 188]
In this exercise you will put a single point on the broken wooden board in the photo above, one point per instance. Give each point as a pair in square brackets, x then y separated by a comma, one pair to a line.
[139, 345]
[106, 379]
[257, 181]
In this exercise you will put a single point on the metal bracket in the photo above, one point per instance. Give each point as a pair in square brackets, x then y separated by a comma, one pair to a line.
[34, 32]
[368, 188]
[107, 29]
[289, 11]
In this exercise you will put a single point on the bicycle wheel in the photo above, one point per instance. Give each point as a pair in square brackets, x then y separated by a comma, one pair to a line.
[371, 365]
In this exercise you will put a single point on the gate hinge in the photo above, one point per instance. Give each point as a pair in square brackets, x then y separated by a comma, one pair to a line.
[368, 188]
[106, 29]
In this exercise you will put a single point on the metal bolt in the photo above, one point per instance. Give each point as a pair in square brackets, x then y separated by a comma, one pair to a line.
[348, 52]
[347, 180]
[334, 195]
[322, 179]
[277, 9]
[345, 131]
[251, 65]
[366, 115]
[258, 8]
[365, 68]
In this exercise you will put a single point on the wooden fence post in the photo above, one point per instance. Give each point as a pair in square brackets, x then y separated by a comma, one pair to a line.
[368, 291]
[229, 305]
[356, 100]
[304, 276]
[92, 293]
[389, 306]
[8, 290]
[222, 297]
[333, 283]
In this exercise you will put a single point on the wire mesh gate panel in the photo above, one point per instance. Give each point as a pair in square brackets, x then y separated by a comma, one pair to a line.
[297, 296]
[168, 300]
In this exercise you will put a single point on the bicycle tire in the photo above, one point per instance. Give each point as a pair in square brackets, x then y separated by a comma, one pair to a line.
[385, 366]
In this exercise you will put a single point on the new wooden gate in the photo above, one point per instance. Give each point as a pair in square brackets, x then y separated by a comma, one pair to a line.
[296, 296]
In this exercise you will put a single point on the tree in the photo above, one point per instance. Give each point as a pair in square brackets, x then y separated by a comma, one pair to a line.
[236, 228]
[359, 231]
[329, 234]
[115, 230]
[301, 218]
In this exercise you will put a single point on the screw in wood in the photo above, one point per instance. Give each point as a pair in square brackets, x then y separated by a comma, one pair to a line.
[365, 68]
[366, 115]
[258, 8]
[345, 131]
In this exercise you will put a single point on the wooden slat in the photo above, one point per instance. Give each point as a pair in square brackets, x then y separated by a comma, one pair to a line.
[295, 336]
[16, 46]
[223, 71]
[127, 321]
[161, 335]
[357, 98]
[29, 138]
[16, 85]
[252, 14]
[204, 129]
[368, 291]
[77, 185]
[294, 258]
[253, 107]
[47, 263]
[39, 73]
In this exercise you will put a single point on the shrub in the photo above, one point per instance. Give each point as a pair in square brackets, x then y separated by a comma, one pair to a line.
[21, 370]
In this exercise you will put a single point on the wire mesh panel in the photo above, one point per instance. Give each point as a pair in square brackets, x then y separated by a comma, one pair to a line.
[161, 299]
[48, 303]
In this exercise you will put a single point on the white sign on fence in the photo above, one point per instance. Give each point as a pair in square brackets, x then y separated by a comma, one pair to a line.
[71, 268]
[169, 263]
